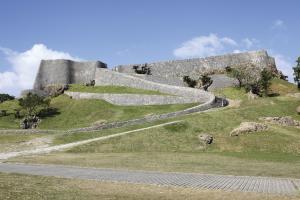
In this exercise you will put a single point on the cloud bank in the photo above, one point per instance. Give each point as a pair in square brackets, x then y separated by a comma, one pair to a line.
[24, 66]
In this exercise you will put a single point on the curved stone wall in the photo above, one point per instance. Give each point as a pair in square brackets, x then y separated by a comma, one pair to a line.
[108, 77]
[133, 99]
[65, 72]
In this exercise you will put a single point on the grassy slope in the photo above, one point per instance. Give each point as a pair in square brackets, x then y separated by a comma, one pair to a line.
[111, 89]
[176, 147]
[81, 113]
[15, 186]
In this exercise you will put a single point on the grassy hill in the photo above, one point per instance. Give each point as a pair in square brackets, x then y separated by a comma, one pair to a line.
[176, 147]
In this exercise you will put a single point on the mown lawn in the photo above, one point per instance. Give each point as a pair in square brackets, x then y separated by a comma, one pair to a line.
[19, 187]
[70, 113]
[275, 152]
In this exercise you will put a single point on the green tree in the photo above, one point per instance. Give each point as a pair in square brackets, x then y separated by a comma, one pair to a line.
[33, 104]
[297, 72]
[236, 73]
[265, 81]
[206, 81]
[5, 97]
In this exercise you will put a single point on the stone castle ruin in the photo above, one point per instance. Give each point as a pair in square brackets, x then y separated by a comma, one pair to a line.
[165, 77]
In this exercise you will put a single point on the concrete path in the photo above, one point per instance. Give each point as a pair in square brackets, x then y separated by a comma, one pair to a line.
[206, 181]
[7, 155]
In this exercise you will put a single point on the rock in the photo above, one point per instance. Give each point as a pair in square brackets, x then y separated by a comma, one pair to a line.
[282, 121]
[55, 90]
[248, 127]
[251, 95]
[298, 110]
[206, 138]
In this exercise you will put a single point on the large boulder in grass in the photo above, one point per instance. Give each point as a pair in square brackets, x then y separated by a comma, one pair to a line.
[55, 90]
[282, 121]
[205, 138]
[248, 127]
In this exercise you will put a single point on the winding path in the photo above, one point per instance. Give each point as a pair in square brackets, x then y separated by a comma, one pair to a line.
[207, 181]
[7, 155]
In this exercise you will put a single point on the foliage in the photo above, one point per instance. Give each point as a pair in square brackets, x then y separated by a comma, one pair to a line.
[6, 97]
[251, 78]
[33, 104]
[144, 69]
[297, 73]
[265, 80]
[190, 82]
[236, 73]
[205, 81]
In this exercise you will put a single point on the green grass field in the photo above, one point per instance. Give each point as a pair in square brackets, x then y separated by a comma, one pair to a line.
[70, 113]
[176, 147]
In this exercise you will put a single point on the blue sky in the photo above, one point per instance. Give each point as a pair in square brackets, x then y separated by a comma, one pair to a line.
[121, 32]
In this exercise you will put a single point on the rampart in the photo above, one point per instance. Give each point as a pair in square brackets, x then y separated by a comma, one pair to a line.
[65, 72]
[171, 72]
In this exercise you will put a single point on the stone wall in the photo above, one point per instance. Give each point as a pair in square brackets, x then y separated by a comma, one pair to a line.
[133, 99]
[108, 77]
[62, 71]
[171, 72]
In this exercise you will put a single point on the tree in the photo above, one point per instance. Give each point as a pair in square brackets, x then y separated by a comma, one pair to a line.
[236, 73]
[265, 81]
[33, 104]
[6, 97]
[206, 81]
[297, 73]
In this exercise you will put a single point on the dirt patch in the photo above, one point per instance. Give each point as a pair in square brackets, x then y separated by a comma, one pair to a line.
[234, 103]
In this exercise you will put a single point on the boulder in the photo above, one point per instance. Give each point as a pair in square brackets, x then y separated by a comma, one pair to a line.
[248, 127]
[205, 138]
[282, 121]
[55, 90]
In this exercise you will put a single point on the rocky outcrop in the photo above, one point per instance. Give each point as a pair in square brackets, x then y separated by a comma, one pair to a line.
[282, 121]
[248, 127]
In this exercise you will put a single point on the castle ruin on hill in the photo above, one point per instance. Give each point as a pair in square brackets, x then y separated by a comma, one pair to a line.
[168, 72]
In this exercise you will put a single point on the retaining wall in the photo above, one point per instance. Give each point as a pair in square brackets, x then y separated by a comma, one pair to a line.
[133, 99]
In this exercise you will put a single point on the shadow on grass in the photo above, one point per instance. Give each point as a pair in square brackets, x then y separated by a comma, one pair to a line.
[49, 112]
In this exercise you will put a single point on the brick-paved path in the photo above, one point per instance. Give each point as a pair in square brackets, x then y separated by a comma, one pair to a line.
[208, 181]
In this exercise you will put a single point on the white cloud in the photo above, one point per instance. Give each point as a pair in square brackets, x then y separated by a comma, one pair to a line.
[278, 24]
[203, 46]
[285, 65]
[211, 45]
[24, 67]
[250, 42]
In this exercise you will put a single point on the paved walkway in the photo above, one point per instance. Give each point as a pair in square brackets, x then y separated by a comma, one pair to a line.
[207, 181]
[61, 147]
